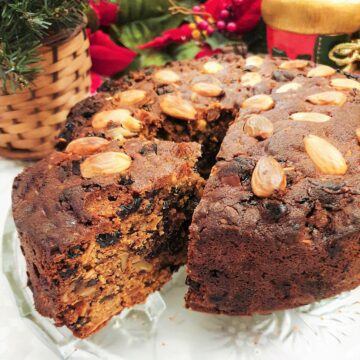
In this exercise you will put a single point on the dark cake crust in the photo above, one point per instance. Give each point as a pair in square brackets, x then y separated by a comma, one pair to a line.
[296, 245]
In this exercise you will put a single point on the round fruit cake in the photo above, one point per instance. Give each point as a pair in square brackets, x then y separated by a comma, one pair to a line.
[277, 225]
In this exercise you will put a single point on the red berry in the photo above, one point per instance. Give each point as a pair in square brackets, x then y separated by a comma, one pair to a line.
[210, 30]
[221, 25]
[202, 25]
[231, 27]
[224, 14]
[196, 8]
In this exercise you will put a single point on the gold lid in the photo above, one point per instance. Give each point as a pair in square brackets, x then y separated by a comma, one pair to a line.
[313, 16]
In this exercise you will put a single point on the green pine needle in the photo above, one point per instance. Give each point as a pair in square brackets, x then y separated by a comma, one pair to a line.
[24, 25]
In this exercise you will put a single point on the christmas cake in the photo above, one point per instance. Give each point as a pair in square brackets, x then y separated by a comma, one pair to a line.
[277, 227]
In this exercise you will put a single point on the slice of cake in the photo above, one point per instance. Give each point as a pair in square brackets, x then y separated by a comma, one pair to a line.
[279, 223]
[102, 225]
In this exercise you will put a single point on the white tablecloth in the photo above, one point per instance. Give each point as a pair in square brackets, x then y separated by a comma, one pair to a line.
[17, 342]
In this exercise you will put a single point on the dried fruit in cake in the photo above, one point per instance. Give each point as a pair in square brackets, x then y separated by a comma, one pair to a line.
[102, 226]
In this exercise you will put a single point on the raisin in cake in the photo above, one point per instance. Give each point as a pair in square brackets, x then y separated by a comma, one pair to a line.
[278, 225]
[103, 226]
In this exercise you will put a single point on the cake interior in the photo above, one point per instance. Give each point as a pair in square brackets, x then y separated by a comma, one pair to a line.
[142, 241]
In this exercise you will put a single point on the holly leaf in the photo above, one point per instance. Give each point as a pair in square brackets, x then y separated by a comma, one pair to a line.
[142, 20]
[184, 51]
[217, 40]
[148, 57]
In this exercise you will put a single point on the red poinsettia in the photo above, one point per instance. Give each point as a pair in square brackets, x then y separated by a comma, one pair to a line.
[242, 14]
[107, 57]
[105, 11]
[207, 51]
[179, 35]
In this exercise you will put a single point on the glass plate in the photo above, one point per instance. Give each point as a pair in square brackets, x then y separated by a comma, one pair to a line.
[163, 329]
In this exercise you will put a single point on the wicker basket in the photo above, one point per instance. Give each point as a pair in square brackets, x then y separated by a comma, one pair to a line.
[31, 119]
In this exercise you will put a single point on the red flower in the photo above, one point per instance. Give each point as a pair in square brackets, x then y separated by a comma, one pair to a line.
[247, 13]
[96, 81]
[105, 11]
[107, 57]
[179, 35]
[207, 51]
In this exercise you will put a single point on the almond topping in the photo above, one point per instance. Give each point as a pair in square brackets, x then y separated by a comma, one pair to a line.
[119, 134]
[255, 61]
[102, 119]
[177, 107]
[86, 145]
[251, 79]
[258, 102]
[207, 89]
[358, 134]
[326, 157]
[321, 71]
[328, 98]
[345, 84]
[212, 67]
[132, 124]
[268, 177]
[294, 64]
[106, 163]
[166, 76]
[258, 126]
[310, 116]
[288, 87]
[131, 97]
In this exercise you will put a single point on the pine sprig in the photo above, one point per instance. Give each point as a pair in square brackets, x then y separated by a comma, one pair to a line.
[24, 26]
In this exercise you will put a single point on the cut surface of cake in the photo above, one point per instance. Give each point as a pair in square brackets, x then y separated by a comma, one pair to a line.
[100, 229]
[284, 198]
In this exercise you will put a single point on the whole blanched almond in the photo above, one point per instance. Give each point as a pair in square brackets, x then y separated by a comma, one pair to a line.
[207, 89]
[86, 145]
[268, 177]
[119, 133]
[258, 102]
[345, 84]
[293, 86]
[212, 67]
[132, 124]
[177, 107]
[326, 157]
[293, 64]
[258, 126]
[254, 60]
[310, 117]
[358, 134]
[106, 163]
[131, 97]
[321, 71]
[328, 98]
[102, 119]
[251, 79]
[166, 76]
